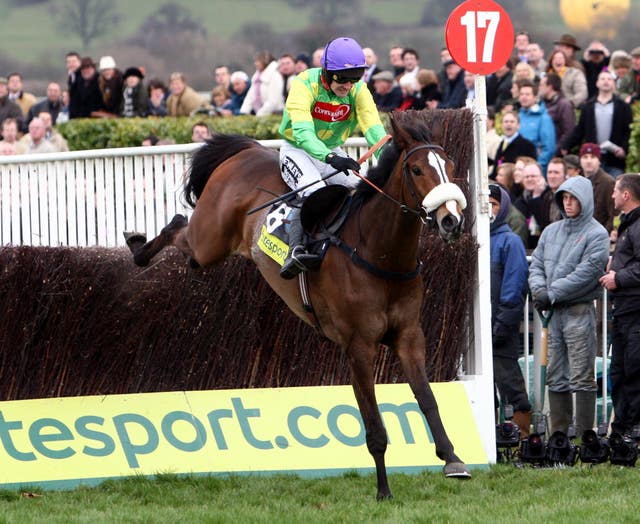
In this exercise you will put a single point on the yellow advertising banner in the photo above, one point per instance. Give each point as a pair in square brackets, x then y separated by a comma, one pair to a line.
[65, 442]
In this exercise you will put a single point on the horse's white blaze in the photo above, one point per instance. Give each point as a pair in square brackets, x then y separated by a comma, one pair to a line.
[452, 207]
[438, 164]
[448, 193]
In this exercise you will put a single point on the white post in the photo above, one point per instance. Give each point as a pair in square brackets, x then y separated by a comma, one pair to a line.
[605, 359]
[480, 360]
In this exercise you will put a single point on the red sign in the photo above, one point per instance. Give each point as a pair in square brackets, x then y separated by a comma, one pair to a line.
[479, 36]
[330, 112]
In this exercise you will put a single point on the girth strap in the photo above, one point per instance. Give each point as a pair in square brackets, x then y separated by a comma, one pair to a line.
[381, 273]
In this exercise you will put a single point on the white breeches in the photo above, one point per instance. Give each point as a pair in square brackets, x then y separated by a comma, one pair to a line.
[298, 169]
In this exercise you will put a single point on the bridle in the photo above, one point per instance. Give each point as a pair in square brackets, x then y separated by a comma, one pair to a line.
[407, 178]
[418, 210]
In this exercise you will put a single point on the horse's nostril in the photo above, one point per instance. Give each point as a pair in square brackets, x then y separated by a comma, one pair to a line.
[449, 223]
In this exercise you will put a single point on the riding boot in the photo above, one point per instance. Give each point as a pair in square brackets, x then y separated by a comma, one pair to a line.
[561, 410]
[298, 259]
[523, 421]
[585, 411]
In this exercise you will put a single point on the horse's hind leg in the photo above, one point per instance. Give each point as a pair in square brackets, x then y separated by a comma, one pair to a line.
[362, 360]
[172, 234]
[410, 346]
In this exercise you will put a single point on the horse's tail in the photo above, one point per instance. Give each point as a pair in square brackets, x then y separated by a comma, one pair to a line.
[208, 157]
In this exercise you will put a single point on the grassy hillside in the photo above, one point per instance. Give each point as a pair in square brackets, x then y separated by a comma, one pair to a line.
[34, 30]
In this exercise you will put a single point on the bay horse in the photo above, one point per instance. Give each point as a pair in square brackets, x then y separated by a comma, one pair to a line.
[355, 306]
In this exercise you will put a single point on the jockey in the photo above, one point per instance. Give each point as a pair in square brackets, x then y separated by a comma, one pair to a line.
[323, 108]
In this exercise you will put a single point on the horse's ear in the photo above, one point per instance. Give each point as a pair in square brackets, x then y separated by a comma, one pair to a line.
[400, 136]
[437, 130]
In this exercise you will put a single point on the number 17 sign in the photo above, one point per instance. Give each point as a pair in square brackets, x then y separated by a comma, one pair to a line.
[479, 36]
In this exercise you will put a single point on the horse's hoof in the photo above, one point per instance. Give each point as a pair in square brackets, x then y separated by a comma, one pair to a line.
[134, 240]
[177, 222]
[140, 260]
[456, 470]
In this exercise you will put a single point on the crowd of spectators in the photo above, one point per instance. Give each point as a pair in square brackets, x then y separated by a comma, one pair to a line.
[577, 215]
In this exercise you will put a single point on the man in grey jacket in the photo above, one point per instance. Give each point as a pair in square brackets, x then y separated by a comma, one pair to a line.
[570, 257]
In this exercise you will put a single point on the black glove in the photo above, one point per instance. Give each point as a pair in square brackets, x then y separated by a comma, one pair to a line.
[541, 301]
[342, 163]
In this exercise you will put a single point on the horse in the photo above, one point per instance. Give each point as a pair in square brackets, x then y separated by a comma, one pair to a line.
[360, 305]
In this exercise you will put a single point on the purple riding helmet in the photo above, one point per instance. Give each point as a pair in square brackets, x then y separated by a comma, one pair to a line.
[343, 61]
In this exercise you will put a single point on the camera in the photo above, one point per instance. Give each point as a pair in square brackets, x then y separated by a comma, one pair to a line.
[507, 432]
[507, 436]
[594, 448]
[561, 449]
[533, 449]
[623, 450]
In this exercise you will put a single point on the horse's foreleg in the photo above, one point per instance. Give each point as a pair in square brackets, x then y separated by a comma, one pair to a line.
[410, 346]
[172, 234]
[362, 360]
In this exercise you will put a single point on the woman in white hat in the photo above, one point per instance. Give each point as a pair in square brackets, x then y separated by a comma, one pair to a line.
[110, 83]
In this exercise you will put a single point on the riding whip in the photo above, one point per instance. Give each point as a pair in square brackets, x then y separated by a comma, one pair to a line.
[361, 160]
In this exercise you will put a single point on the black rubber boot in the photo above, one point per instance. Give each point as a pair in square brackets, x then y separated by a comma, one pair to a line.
[585, 411]
[561, 410]
[297, 259]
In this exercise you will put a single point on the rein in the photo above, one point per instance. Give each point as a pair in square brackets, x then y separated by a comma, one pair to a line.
[352, 252]
[418, 211]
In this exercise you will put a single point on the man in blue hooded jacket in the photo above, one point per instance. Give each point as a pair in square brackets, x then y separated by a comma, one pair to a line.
[570, 257]
[536, 124]
[508, 289]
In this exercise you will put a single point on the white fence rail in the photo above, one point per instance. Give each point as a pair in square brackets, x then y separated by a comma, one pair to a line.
[88, 198]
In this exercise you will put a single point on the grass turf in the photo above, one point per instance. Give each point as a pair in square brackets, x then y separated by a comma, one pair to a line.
[502, 493]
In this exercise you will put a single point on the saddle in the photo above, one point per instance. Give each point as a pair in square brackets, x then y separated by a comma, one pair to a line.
[324, 212]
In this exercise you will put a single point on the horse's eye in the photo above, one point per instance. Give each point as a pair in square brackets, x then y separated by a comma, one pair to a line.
[416, 170]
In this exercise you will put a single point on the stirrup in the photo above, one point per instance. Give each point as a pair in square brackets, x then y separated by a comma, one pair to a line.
[299, 260]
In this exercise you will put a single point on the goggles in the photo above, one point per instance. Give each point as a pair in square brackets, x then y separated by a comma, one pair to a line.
[346, 76]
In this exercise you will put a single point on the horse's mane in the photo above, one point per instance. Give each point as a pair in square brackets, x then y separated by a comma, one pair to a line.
[379, 174]
[204, 160]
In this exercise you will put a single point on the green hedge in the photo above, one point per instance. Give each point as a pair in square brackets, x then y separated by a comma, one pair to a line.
[633, 158]
[91, 133]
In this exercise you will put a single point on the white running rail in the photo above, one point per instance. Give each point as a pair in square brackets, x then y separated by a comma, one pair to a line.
[88, 198]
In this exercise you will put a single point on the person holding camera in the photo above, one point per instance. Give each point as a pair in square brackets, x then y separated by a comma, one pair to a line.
[508, 290]
[563, 277]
